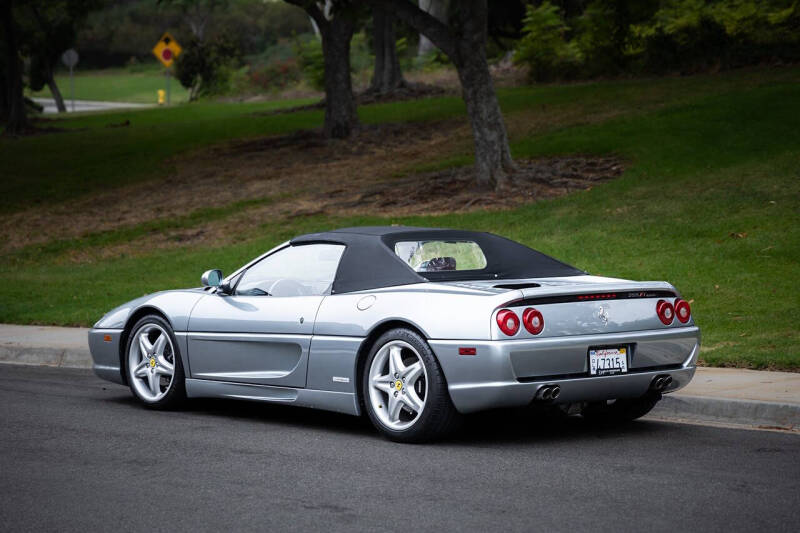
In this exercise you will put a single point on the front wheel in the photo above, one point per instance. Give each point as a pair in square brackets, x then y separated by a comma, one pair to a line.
[404, 389]
[155, 372]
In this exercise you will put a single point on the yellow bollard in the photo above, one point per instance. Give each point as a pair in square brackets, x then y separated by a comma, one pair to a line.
[161, 93]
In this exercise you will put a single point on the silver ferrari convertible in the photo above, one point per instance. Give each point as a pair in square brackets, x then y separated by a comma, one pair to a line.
[413, 326]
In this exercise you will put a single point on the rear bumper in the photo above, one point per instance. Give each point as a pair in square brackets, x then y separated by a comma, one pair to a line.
[509, 373]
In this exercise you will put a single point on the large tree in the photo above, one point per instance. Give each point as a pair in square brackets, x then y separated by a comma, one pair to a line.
[336, 25]
[50, 28]
[463, 39]
[14, 115]
[386, 76]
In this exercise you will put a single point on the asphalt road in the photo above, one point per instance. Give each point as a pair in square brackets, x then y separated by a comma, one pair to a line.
[77, 453]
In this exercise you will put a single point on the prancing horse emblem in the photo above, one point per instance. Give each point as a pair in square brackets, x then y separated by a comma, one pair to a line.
[603, 315]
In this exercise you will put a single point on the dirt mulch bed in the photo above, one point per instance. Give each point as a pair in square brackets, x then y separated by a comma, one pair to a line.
[410, 91]
[455, 189]
[303, 174]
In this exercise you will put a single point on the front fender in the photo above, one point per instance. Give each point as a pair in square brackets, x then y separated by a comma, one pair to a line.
[176, 306]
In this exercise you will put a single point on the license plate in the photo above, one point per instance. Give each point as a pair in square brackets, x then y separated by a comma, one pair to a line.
[607, 361]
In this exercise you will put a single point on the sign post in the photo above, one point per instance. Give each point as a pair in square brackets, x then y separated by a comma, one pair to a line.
[166, 50]
[70, 59]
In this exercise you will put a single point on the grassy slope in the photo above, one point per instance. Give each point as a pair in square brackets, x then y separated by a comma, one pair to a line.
[118, 85]
[722, 159]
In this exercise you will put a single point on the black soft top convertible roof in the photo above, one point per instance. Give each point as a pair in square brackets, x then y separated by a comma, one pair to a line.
[369, 261]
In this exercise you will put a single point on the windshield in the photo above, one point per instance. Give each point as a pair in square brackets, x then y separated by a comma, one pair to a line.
[441, 256]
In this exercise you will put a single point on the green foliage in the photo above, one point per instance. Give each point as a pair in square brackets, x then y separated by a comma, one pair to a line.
[544, 46]
[604, 37]
[206, 68]
[130, 28]
[361, 57]
[312, 61]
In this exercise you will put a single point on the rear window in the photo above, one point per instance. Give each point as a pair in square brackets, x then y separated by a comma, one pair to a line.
[441, 256]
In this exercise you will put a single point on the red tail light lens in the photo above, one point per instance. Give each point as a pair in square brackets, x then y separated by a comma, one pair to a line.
[533, 320]
[682, 310]
[508, 321]
[665, 311]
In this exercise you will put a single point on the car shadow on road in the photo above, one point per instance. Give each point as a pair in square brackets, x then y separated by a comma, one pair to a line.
[543, 427]
[511, 426]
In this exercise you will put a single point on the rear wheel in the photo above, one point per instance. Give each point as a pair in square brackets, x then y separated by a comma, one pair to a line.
[404, 390]
[623, 410]
[153, 363]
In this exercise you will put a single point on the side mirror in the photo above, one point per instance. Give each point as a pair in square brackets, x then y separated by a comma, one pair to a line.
[211, 278]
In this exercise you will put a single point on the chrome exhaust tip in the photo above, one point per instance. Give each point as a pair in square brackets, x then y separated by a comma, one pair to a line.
[548, 392]
[660, 383]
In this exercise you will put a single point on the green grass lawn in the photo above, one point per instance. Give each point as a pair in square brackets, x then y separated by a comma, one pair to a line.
[118, 85]
[710, 201]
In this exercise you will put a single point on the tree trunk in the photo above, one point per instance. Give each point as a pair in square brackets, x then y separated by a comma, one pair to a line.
[492, 153]
[16, 121]
[51, 83]
[437, 9]
[464, 42]
[493, 160]
[340, 106]
[3, 97]
[386, 76]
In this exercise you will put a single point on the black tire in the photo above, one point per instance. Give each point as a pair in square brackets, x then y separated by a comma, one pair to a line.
[176, 393]
[621, 411]
[439, 416]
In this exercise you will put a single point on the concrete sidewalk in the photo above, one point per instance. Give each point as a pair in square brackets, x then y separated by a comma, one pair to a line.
[722, 395]
[737, 396]
[45, 345]
[81, 106]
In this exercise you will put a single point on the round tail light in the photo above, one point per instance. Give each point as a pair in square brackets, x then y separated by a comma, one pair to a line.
[533, 320]
[682, 310]
[665, 311]
[508, 322]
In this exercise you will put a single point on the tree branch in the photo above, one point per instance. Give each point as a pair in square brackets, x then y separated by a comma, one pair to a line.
[428, 25]
[310, 7]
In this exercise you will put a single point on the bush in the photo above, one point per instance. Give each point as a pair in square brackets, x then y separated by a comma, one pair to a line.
[312, 61]
[613, 36]
[690, 35]
[544, 46]
[276, 74]
[206, 68]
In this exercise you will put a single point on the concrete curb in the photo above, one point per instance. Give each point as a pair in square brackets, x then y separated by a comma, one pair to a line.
[713, 408]
[772, 415]
[44, 356]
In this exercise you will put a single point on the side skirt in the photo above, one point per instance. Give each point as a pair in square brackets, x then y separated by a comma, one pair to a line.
[340, 402]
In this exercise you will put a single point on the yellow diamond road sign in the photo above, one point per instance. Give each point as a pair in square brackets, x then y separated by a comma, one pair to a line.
[167, 49]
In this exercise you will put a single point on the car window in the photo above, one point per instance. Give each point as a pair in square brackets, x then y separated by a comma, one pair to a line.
[441, 256]
[305, 270]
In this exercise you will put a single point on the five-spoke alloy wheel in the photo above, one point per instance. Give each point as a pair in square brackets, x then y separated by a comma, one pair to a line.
[404, 390]
[155, 372]
[398, 380]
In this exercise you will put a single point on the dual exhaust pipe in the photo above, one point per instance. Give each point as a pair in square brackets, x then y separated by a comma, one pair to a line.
[551, 392]
[661, 382]
[548, 392]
